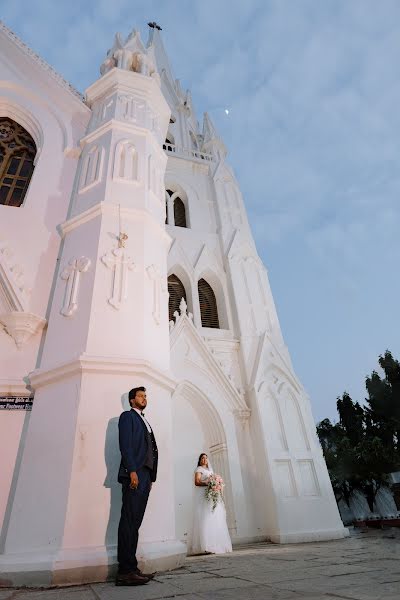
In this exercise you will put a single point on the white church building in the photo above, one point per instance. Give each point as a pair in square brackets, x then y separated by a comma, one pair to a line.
[126, 258]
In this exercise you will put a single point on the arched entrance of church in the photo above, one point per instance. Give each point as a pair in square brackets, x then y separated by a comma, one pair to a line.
[197, 428]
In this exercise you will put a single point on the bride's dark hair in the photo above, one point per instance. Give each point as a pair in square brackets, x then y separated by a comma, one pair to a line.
[200, 457]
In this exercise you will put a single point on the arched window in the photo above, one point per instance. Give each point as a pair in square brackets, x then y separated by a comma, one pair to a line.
[17, 153]
[179, 213]
[176, 292]
[208, 305]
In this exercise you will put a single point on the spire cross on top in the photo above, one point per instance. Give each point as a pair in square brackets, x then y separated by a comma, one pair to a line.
[154, 25]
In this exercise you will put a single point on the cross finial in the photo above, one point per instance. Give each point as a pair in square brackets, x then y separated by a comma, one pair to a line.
[154, 25]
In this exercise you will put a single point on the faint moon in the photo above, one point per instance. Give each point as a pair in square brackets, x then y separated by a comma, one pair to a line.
[226, 111]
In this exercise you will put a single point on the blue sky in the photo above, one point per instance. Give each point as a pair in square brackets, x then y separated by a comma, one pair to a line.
[313, 133]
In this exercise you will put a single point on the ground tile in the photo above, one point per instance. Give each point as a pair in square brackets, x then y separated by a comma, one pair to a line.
[68, 593]
[254, 592]
[201, 586]
[152, 590]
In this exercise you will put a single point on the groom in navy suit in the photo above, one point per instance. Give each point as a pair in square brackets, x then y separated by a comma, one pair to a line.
[137, 472]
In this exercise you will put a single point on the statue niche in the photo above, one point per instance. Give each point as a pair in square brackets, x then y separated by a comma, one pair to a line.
[131, 55]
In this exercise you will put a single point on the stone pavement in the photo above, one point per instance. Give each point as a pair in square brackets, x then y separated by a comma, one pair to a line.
[365, 566]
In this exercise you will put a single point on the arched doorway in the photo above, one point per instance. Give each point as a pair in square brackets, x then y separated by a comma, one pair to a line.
[197, 428]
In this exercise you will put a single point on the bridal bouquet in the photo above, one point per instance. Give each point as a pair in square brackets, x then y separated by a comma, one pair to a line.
[214, 489]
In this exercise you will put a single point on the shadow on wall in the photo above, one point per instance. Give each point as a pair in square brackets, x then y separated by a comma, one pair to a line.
[112, 459]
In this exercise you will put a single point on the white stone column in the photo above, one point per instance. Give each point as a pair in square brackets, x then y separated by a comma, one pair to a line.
[108, 332]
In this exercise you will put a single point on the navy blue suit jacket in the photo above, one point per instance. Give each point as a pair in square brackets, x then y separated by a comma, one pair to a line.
[133, 444]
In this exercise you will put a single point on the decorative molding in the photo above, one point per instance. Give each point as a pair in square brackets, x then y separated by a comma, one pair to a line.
[16, 402]
[183, 325]
[21, 326]
[100, 110]
[125, 166]
[72, 274]
[159, 290]
[132, 109]
[104, 208]
[12, 284]
[92, 169]
[38, 60]
[131, 55]
[120, 263]
[242, 415]
[109, 365]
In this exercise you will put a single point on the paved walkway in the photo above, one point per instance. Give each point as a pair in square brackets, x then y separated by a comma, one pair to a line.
[365, 566]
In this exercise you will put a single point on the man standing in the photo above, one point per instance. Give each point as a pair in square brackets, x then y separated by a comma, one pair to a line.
[138, 470]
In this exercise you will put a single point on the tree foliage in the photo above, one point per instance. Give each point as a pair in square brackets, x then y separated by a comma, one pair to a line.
[364, 446]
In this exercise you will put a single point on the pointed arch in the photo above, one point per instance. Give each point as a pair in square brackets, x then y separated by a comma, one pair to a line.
[208, 305]
[92, 168]
[215, 437]
[17, 155]
[176, 291]
[176, 206]
[125, 161]
[179, 213]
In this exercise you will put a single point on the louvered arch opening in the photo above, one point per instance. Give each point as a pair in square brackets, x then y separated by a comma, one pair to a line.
[208, 305]
[176, 292]
[179, 213]
[17, 154]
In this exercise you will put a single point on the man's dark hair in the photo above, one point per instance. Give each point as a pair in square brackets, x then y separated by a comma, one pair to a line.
[200, 457]
[132, 393]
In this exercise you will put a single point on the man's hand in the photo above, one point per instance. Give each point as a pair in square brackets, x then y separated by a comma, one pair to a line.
[134, 480]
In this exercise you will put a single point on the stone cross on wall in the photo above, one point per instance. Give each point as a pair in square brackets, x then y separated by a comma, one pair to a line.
[72, 274]
[120, 263]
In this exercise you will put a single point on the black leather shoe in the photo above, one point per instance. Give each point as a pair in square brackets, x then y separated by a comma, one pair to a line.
[131, 579]
[148, 575]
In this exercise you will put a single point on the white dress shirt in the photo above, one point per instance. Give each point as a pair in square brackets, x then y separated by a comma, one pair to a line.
[144, 420]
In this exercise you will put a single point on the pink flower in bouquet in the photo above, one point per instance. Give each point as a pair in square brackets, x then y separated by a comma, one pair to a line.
[214, 490]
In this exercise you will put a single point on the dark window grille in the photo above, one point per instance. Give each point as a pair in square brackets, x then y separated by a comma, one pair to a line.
[176, 292]
[17, 153]
[208, 305]
[179, 213]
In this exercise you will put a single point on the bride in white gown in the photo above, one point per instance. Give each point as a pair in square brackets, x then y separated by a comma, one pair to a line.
[209, 529]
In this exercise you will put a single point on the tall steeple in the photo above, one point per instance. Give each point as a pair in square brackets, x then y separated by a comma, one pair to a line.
[108, 332]
[212, 142]
[156, 46]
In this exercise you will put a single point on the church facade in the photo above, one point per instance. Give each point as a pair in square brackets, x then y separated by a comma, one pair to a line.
[126, 258]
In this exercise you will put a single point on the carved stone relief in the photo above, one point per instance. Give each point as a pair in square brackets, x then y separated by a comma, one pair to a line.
[102, 111]
[92, 168]
[125, 162]
[21, 326]
[13, 290]
[72, 275]
[119, 262]
[130, 55]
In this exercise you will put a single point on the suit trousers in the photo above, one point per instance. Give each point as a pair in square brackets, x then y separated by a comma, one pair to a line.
[134, 504]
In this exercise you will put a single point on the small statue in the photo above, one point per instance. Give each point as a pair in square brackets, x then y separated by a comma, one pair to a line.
[131, 55]
[122, 239]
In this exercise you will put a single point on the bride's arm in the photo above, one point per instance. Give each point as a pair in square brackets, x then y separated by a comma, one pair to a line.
[198, 481]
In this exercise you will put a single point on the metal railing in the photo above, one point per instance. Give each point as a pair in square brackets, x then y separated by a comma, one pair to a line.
[186, 153]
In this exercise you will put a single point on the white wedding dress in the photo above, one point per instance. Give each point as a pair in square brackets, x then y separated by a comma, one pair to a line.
[209, 529]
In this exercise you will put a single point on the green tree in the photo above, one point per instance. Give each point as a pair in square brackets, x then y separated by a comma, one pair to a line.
[364, 447]
[383, 405]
